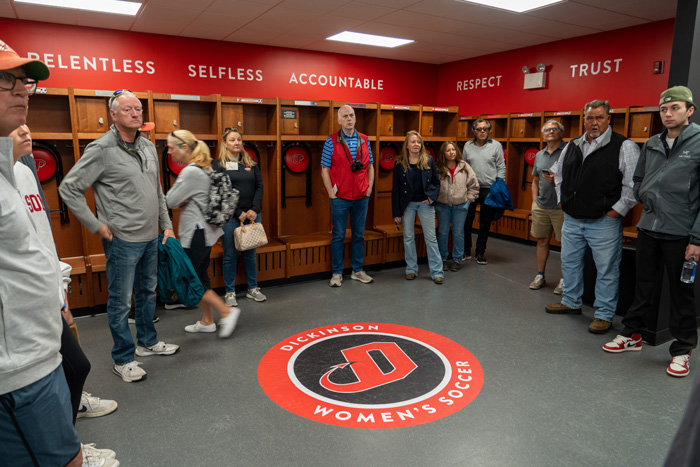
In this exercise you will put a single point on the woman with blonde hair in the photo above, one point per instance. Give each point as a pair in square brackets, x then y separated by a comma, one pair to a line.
[458, 188]
[191, 193]
[246, 178]
[415, 189]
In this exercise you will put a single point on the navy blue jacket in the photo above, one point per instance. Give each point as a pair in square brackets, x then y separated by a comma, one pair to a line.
[499, 198]
[402, 189]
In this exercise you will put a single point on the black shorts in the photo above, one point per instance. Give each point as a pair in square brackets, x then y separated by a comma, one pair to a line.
[199, 253]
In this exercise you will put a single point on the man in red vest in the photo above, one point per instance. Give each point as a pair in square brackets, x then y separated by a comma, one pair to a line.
[348, 175]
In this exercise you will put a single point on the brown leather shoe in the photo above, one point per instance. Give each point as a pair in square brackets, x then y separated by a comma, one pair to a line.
[438, 280]
[561, 309]
[410, 276]
[599, 326]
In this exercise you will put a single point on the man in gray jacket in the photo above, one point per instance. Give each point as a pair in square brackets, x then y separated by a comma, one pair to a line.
[667, 183]
[485, 156]
[35, 412]
[122, 169]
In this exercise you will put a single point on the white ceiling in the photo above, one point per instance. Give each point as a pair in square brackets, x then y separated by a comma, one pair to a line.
[443, 30]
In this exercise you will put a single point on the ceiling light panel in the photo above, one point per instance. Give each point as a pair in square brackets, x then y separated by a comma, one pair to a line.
[116, 7]
[369, 39]
[515, 6]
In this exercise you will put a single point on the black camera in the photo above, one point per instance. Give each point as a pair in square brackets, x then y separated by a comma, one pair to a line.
[357, 165]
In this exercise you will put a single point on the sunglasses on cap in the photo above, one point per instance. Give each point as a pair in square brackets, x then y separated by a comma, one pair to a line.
[116, 94]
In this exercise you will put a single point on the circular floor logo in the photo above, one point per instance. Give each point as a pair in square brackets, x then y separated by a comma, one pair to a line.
[370, 375]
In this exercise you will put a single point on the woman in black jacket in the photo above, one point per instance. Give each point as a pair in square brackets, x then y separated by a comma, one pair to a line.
[246, 178]
[415, 189]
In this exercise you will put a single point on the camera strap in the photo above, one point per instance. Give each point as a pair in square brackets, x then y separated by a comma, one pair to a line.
[346, 148]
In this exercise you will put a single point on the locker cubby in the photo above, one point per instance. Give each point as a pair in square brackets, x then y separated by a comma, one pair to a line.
[397, 120]
[50, 115]
[256, 118]
[311, 122]
[365, 115]
[572, 121]
[525, 127]
[439, 122]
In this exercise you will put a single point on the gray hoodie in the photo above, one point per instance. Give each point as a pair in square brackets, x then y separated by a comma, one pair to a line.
[126, 184]
[30, 280]
[669, 185]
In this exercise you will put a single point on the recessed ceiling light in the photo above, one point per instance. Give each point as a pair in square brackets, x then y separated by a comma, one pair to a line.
[117, 7]
[369, 39]
[517, 6]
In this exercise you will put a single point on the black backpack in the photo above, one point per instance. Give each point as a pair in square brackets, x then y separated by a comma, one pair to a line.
[223, 199]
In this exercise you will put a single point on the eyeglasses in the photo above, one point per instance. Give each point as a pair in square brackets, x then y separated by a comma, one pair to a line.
[551, 130]
[8, 81]
[480, 129]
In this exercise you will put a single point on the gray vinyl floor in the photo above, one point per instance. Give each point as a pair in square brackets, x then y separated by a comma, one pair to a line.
[551, 396]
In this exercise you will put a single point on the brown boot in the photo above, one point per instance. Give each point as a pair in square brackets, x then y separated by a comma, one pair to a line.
[599, 326]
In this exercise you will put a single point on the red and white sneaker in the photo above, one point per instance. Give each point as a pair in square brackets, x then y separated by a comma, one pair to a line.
[679, 366]
[623, 344]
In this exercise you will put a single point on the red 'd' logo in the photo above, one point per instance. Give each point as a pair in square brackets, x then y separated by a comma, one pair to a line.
[370, 375]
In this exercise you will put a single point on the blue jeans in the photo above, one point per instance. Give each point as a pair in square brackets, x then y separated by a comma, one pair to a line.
[131, 266]
[340, 210]
[43, 413]
[604, 236]
[426, 214]
[230, 259]
[457, 215]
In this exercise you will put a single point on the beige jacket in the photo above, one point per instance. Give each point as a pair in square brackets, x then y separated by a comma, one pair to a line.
[464, 187]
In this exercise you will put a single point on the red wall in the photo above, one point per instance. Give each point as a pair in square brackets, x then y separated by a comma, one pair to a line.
[196, 66]
[628, 82]
[140, 61]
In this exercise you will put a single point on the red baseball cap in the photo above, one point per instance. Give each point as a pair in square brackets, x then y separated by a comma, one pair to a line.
[36, 69]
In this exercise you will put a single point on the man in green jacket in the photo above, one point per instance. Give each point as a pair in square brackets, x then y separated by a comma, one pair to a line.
[667, 183]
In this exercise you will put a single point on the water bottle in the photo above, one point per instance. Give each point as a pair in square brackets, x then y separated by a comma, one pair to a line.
[688, 273]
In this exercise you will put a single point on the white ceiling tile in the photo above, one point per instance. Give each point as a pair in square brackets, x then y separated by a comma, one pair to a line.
[620, 23]
[366, 12]
[560, 30]
[387, 3]
[6, 10]
[459, 11]
[318, 6]
[652, 10]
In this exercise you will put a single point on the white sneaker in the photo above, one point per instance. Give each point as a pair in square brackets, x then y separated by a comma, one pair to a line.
[228, 324]
[559, 289]
[129, 372]
[99, 462]
[199, 327]
[336, 280]
[94, 406]
[230, 299]
[161, 348]
[679, 366]
[538, 282]
[255, 294]
[361, 276]
[89, 450]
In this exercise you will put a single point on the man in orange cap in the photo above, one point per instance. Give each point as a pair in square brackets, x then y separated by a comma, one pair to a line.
[35, 411]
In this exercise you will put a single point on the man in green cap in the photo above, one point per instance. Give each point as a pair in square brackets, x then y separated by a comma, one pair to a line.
[667, 183]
